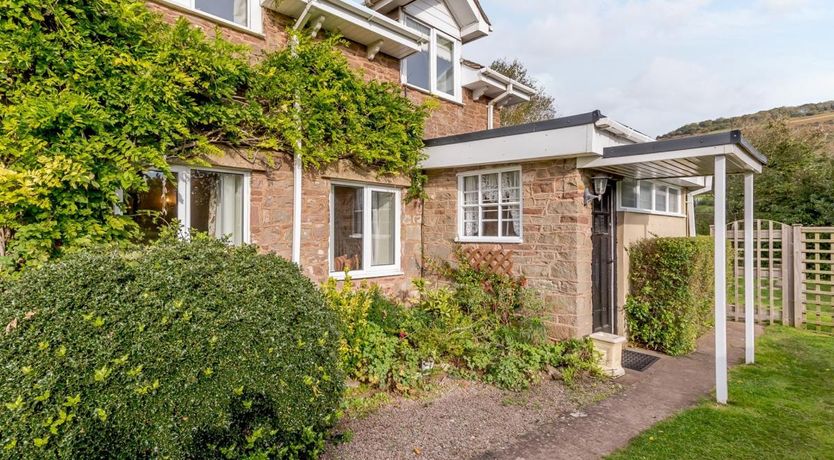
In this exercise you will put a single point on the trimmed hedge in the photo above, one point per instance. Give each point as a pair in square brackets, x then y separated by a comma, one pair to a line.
[177, 350]
[672, 293]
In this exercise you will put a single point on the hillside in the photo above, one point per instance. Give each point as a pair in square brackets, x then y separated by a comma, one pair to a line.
[819, 115]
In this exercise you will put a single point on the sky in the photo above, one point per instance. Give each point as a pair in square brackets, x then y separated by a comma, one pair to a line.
[658, 64]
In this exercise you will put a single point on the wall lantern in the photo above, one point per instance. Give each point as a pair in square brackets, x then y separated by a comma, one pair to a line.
[599, 185]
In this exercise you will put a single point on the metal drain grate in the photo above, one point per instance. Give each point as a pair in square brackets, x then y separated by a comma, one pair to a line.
[637, 361]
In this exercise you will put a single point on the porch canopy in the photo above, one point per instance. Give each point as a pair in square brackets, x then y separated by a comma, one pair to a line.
[605, 146]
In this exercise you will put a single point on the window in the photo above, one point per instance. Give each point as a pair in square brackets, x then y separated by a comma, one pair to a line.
[437, 68]
[355, 208]
[490, 206]
[650, 196]
[210, 201]
[244, 13]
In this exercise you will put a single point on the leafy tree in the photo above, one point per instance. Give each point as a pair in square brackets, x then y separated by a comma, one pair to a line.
[540, 107]
[94, 92]
[797, 185]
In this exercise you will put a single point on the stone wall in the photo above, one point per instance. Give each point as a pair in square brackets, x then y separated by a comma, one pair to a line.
[555, 255]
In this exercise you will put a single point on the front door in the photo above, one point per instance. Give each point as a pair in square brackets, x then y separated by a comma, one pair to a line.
[603, 237]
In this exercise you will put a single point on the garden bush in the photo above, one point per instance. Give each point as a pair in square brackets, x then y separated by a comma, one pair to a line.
[176, 350]
[478, 324]
[672, 293]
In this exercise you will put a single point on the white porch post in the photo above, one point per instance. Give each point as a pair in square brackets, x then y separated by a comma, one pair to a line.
[749, 308]
[720, 279]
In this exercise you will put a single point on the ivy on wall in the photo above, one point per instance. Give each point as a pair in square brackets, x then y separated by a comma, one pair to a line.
[94, 92]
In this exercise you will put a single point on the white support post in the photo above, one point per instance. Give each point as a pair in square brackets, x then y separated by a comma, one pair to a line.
[749, 308]
[720, 189]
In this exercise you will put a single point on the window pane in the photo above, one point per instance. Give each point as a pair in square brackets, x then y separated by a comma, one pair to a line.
[445, 67]
[383, 228]
[660, 198]
[511, 221]
[417, 65]
[470, 221]
[156, 207]
[489, 188]
[230, 10]
[628, 194]
[510, 187]
[347, 228]
[217, 204]
[645, 198]
[470, 190]
[489, 221]
[674, 200]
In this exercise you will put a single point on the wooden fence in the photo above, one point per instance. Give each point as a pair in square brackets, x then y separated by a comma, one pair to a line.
[793, 272]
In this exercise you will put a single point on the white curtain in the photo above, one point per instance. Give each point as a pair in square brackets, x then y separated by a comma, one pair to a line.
[241, 12]
[511, 193]
[383, 228]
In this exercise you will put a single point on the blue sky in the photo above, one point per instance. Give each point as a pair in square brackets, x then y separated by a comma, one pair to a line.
[658, 64]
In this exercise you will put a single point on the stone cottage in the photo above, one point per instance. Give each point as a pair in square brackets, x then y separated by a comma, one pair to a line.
[555, 201]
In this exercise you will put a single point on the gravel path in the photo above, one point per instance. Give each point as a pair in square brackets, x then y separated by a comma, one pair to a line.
[463, 420]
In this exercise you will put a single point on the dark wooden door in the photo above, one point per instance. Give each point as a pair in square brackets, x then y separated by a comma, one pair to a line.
[603, 237]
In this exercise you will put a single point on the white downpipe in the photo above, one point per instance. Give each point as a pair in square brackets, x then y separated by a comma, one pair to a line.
[690, 204]
[749, 318]
[491, 105]
[720, 184]
[297, 170]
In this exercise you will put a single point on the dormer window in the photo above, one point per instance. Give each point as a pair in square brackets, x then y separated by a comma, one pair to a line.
[436, 69]
[241, 13]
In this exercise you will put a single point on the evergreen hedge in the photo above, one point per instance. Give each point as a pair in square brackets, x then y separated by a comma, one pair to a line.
[672, 293]
[177, 350]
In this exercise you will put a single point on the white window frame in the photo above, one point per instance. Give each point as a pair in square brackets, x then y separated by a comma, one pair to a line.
[184, 197]
[654, 211]
[462, 237]
[457, 97]
[253, 14]
[368, 270]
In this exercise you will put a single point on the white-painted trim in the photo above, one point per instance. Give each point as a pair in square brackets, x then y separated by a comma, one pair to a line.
[297, 184]
[254, 17]
[368, 271]
[457, 97]
[461, 238]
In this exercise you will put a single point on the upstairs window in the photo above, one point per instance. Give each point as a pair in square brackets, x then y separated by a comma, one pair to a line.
[244, 13]
[650, 196]
[437, 68]
[490, 206]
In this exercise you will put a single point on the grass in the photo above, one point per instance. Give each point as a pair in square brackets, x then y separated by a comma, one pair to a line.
[781, 407]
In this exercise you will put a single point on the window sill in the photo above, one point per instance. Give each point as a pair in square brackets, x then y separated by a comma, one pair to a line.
[210, 17]
[489, 240]
[653, 213]
[360, 275]
[439, 95]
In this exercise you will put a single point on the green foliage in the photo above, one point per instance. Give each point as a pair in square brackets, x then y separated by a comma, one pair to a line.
[95, 92]
[540, 107]
[176, 350]
[671, 299]
[482, 325]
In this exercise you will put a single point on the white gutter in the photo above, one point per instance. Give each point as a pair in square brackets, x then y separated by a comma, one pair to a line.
[621, 130]
[491, 105]
[690, 204]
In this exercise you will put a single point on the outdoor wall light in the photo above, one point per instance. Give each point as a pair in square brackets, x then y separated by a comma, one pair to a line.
[599, 184]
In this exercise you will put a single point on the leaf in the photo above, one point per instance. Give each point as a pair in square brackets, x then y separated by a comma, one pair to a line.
[102, 373]
[41, 442]
[72, 401]
[101, 414]
[16, 405]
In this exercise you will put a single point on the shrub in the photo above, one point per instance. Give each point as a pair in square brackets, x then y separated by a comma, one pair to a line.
[672, 293]
[177, 350]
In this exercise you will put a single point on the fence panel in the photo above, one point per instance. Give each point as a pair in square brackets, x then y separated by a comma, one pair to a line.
[817, 281]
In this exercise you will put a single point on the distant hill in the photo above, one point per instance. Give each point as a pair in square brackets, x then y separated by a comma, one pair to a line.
[819, 115]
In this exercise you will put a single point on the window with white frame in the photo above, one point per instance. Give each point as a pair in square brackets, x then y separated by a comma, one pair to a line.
[365, 229]
[437, 68]
[650, 196]
[490, 206]
[207, 200]
[244, 13]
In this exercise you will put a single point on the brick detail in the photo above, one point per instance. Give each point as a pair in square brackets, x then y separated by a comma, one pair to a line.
[555, 256]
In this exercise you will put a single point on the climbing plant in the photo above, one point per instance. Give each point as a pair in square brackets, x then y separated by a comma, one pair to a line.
[94, 92]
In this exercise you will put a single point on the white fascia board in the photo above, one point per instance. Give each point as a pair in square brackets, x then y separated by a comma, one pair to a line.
[713, 151]
[495, 84]
[559, 143]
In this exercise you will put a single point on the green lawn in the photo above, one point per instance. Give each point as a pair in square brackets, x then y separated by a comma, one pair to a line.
[781, 407]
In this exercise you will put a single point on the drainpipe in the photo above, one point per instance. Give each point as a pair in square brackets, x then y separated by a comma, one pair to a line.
[491, 105]
[690, 204]
[297, 170]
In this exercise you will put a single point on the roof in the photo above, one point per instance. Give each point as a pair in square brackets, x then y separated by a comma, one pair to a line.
[469, 14]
